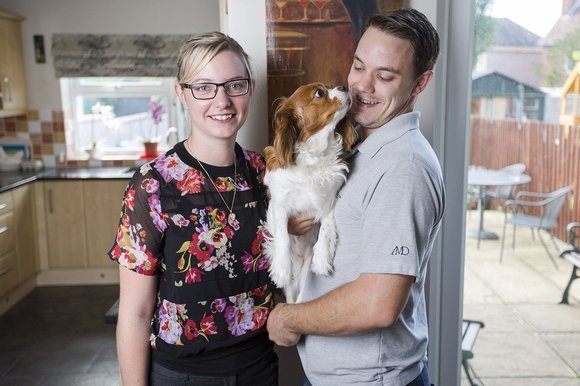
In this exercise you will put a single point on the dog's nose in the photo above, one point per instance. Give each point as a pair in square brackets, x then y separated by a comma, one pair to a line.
[342, 88]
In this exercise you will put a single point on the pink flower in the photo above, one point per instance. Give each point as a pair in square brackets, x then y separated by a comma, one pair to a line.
[193, 275]
[207, 325]
[159, 218]
[218, 305]
[248, 262]
[191, 182]
[260, 317]
[156, 109]
[239, 316]
[130, 199]
[150, 185]
[179, 220]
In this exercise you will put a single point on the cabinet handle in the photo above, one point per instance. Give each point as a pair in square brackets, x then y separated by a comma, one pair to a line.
[8, 81]
[50, 209]
[3, 229]
[4, 270]
[2, 96]
[2, 206]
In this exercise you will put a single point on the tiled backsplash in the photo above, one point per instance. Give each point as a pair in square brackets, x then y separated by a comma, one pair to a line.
[45, 129]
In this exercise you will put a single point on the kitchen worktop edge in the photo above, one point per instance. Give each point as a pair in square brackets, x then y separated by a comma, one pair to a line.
[11, 180]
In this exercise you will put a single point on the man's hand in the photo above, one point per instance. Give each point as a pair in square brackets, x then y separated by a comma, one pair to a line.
[278, 329]
[300, 224]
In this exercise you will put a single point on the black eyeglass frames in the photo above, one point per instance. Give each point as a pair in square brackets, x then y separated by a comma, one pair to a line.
[208, 90]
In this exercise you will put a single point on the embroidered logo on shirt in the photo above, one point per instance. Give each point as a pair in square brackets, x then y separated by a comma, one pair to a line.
[402, 251]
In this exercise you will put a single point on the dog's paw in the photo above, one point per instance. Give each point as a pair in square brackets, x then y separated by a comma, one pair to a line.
[321, 259]
[321, 265]
[280, 277]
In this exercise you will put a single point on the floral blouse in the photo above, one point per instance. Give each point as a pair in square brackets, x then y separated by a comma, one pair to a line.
[213, 286]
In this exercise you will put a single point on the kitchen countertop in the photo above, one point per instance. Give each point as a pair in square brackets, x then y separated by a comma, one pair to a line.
[11, 180]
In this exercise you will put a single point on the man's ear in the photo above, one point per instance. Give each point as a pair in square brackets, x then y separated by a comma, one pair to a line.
[422, 82]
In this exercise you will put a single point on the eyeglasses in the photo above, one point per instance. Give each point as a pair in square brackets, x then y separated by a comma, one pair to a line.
[207, 90]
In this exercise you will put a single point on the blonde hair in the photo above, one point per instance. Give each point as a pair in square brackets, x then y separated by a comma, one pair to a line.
[201, 48]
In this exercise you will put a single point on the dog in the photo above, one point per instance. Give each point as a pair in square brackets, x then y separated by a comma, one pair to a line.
[304, 171]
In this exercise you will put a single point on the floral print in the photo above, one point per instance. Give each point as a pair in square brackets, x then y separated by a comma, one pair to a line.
[239, 311]
[255, 260]
[171, 227]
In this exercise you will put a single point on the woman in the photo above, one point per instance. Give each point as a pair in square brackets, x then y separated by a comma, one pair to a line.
[194, 286]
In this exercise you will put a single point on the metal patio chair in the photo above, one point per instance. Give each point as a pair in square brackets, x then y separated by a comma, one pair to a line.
[572, 255]
[550, 206]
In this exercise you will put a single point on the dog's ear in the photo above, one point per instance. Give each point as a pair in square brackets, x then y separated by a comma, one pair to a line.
[348, 133]
[286, 133]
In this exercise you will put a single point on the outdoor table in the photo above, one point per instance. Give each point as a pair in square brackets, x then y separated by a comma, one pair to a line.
[483, 178]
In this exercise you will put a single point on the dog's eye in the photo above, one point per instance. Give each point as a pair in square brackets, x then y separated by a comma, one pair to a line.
[319, 93]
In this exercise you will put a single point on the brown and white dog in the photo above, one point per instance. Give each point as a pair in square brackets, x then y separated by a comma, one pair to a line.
[304, 171]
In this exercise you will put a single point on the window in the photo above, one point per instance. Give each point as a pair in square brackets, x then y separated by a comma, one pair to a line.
[572, 99]
[115, 114]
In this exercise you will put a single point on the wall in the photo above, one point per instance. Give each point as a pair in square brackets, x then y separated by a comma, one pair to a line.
[43, 124]
[46, 17]
[252, 36]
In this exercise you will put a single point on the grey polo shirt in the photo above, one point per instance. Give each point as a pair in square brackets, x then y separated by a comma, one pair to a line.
[387, 214]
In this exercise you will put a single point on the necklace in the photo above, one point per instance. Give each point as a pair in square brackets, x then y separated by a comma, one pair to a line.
[231, 215]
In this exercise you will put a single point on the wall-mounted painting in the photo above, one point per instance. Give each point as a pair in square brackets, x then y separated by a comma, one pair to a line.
[314, 41]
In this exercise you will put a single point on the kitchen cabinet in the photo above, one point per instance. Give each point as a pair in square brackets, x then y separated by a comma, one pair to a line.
[81, 220]
[102, 211]
[65, 225]
[8, 270]
[18, 247]
[12, 83]
[26, 231]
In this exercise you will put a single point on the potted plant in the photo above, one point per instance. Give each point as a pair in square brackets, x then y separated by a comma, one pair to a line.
[156, 110]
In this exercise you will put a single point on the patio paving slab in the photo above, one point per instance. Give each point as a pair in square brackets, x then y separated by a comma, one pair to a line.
[528, 338]
[517, 354]
[567, 346]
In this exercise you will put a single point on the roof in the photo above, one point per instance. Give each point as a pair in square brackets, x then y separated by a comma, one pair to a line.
[511, 34]
[563, 26]
[497, 84]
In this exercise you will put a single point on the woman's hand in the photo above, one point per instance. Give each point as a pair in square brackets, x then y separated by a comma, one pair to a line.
[300, 224]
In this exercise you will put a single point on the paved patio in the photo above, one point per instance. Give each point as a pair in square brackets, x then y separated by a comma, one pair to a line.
[529, 339]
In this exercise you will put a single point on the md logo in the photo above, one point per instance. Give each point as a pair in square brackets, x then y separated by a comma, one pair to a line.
[404, 251]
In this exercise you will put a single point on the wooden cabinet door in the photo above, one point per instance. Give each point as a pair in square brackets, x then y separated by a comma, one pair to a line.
[26, 229]
[65, 224]
[103, 201]
[12, 85]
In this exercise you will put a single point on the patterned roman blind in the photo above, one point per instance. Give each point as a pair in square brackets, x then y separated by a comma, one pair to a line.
[80, 55]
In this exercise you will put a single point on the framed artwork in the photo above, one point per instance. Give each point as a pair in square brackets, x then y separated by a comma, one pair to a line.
[314, 41]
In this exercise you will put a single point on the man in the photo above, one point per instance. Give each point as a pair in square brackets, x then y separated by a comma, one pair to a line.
[366, 322]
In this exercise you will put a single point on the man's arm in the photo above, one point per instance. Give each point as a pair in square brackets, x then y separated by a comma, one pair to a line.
[373, 300]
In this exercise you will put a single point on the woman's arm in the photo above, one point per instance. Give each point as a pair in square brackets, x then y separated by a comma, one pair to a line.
[138, 294]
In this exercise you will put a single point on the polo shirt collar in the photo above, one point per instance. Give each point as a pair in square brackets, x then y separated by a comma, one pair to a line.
[389, 132]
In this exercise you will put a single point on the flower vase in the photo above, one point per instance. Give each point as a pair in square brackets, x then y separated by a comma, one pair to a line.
[150, 149]
[92, 152]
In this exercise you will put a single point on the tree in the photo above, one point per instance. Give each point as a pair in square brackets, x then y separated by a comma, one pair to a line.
[484, 29]
[560, 59]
